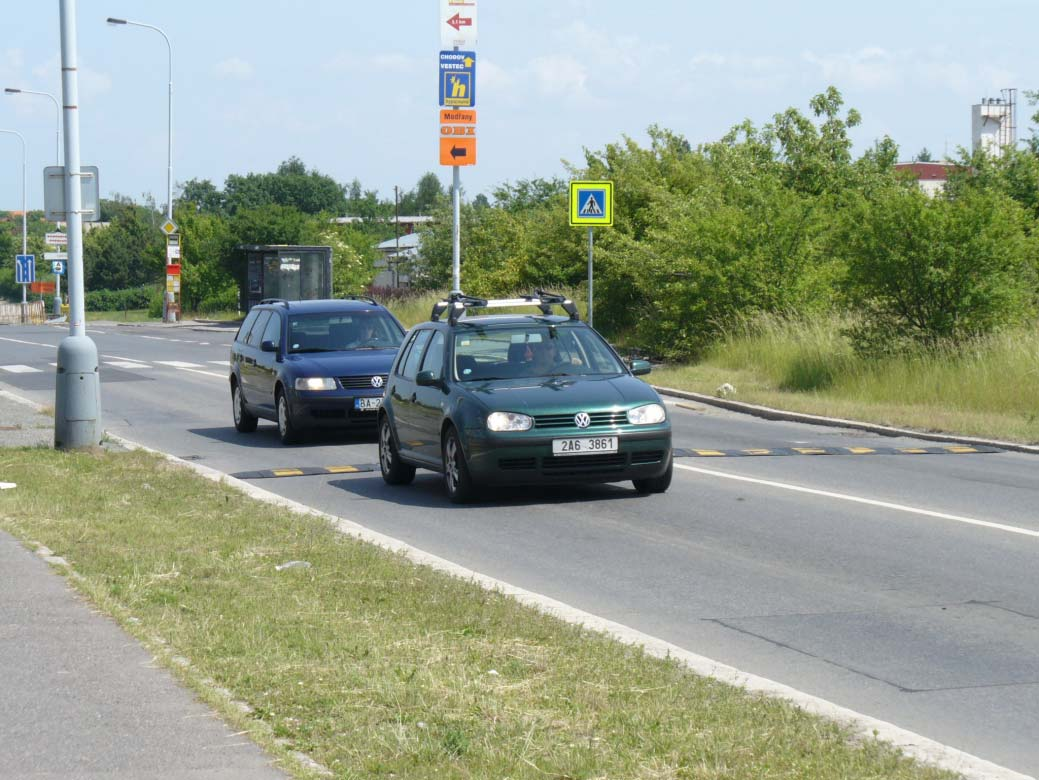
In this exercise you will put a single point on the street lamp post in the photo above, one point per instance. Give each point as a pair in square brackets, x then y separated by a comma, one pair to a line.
[57, 161]
[168, 312]
[24, 214]
[169, 113]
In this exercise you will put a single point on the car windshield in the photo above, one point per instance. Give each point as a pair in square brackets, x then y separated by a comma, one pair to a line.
[339, 331]
[531, 351]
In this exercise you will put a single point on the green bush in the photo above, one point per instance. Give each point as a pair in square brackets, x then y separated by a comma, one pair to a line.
[119, 300]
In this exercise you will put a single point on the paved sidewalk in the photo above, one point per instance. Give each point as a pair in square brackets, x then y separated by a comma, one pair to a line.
[81, 699]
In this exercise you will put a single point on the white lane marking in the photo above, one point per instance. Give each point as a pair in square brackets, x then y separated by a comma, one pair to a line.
[205, 373]
[126, 364]
[53, 364]
[1013, 529]
[220, 362]
[178, 364]
[100, 332]
[18, 368]
[33, 343]
[866, 726]
[120, 357]
[155, 338]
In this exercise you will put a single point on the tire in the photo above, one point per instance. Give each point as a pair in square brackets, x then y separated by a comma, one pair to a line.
[287, 428]
[244, 420]
[655, 484]
[394, 470]
[457, 481]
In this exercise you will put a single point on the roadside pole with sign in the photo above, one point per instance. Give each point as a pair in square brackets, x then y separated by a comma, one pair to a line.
[457, 88]
[171, 301]
[591, 204]
[57, 240]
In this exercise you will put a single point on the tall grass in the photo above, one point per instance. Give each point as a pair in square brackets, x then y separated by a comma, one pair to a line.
[985, 387]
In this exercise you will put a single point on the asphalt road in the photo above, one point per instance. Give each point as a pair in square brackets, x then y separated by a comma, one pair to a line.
[902, 586]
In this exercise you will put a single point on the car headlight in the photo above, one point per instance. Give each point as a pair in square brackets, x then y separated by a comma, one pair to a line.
[315, 383]
[649, 414]
[509, 421]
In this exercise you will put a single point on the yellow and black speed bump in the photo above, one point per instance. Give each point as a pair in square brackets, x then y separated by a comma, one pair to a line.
[307, 471]
[681, 452]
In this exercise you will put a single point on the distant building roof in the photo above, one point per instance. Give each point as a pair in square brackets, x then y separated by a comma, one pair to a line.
[409, 241]
[419, 220]
[935, 171]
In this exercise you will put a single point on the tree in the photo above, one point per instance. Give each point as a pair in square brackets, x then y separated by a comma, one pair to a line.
[291, 185]
[924, 270]
[204, 195]
[924, 155]
[128, 253]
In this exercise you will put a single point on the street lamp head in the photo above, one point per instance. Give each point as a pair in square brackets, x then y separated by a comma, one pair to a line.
[113, 20]
[11, 90]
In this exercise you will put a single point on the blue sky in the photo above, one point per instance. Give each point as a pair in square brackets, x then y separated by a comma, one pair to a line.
[350, 87]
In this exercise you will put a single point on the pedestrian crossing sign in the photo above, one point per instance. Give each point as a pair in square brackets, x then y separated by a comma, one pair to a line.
[591, 203]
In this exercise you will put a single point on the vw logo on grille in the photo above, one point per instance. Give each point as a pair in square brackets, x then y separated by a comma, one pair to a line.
[582, 420]
[376, 381]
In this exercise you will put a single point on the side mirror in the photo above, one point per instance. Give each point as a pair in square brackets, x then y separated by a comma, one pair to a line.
[427, 379]
[268, 346]
[640, 367]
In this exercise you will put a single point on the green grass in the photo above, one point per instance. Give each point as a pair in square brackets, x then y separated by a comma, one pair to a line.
[986, 387]
[376, 667]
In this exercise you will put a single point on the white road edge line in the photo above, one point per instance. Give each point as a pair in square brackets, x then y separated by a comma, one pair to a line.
[117, 357]
[1012, 529]
[866, 727]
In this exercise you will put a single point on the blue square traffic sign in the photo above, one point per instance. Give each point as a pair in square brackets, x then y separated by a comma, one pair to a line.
[458, 79]
[24, 269]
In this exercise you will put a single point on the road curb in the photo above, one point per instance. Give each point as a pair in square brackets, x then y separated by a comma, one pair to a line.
[768, 413]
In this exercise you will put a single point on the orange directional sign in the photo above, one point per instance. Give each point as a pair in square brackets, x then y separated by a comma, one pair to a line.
[457, 116]
[457, 150]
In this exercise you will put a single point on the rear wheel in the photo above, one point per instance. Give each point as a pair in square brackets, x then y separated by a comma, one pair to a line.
[655, 484]
[457, 482]
[244, 421]
[394, 470]
[287, 428]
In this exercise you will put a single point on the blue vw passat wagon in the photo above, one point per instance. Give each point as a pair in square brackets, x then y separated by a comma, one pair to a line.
[312, 364]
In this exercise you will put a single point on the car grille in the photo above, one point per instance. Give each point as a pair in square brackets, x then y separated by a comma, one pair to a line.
[569, 463]
[517, 464]
[362, 382]
[599, 420]
[651, 456]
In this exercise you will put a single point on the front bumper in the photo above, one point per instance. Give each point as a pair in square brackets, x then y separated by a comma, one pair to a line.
[526, 458]
[332, 409]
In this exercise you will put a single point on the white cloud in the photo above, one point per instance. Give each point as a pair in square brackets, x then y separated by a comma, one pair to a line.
[393, 62]
[559, 75]
[869, 68]
[234, 68]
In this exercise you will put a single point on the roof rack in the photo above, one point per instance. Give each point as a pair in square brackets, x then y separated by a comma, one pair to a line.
[457, 303]
[276, 300]
[365, 298]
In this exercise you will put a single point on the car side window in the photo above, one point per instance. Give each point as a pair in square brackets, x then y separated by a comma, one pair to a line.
[273, 330]
[412, 362]
[402, 356]
[247, 325]
[434, 359]
[258, 328]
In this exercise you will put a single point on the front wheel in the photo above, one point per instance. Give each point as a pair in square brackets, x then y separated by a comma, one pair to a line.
[655, 484]
[457, 481]
[287, 429]
[394, 470]
[244, 420]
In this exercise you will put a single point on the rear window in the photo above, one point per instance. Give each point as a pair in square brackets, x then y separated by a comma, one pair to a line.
[340, 331]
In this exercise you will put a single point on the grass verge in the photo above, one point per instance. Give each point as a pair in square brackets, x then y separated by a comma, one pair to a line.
[983, 388]
[376, 667]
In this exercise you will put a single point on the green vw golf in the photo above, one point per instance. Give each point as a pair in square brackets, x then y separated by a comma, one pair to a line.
[515, 399]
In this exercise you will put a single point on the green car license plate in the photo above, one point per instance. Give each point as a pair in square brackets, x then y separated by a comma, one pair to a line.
[592, 446]
[367, 404]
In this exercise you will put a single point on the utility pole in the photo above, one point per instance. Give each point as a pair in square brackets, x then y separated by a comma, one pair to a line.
[77, 405]
[396, 235]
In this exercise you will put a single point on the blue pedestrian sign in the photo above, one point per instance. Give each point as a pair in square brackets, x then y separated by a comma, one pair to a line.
[591, 203]
[458, 79]
[24, 269]
[58, 267]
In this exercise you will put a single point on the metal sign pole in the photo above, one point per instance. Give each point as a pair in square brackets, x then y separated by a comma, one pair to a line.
[590, 244]
[456, 233]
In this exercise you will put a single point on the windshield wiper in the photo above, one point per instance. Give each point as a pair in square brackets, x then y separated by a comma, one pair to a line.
[312, 349]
